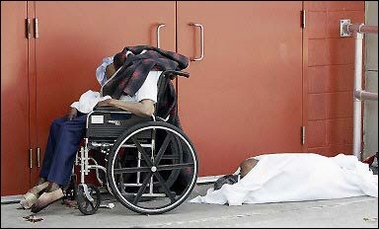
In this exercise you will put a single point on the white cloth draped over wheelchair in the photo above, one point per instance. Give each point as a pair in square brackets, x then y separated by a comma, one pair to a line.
[297, 177]
[88, 101]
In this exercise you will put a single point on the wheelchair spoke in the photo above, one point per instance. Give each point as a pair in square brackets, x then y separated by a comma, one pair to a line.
[166, 189]
[163, 148]
[142, 188]
[132, 170]
[142, 151]
[175, 166]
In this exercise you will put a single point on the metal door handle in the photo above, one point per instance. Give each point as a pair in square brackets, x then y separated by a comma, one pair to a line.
[158, 34]
[201, 41]
[30, 158]
[36, 31]
[38, 157]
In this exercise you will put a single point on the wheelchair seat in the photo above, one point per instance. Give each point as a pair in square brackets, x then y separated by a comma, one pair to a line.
[108, 123]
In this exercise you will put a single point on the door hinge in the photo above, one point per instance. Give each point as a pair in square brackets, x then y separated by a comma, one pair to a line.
[303, 135]
[304, 17]
[27, 28]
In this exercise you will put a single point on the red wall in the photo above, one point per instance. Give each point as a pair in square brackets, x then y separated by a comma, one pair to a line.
[329, 74]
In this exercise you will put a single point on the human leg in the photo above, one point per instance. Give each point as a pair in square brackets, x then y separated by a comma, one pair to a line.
[71, 134]
[31, 196]
[61, 164]
[50, 152]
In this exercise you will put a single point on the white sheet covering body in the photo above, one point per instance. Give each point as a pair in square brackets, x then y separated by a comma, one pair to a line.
[297, 177]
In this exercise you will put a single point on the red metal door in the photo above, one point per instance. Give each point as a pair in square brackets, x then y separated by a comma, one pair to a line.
[14, 99]
[73, 39]
[245, 97]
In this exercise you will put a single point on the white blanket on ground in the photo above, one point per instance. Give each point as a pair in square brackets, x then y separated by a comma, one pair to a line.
[297, 177]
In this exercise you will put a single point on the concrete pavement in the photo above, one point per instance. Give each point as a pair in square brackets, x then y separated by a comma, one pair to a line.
[354, 212]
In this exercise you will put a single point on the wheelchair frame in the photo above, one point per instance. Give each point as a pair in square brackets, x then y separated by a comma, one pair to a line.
[151, 166]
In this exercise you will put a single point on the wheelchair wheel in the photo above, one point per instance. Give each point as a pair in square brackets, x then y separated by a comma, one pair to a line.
[152, 167]
[85, 204]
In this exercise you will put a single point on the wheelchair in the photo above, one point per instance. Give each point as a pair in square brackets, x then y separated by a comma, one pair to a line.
[150, 166]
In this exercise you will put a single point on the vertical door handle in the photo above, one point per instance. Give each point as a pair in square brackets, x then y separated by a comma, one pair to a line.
[38, 157]
[27, 28]
[36, 31]
[201, 41]
[158, 34]
[30, 158]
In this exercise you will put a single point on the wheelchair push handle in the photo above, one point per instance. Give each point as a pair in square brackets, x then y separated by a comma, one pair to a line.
[173, 73]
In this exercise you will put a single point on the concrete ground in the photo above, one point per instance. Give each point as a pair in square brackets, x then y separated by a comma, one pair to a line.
[353, 212]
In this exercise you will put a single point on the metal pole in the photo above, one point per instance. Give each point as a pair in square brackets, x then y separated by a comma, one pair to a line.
[361, 28]
[365, 95]
[346, 29]
[357, 134]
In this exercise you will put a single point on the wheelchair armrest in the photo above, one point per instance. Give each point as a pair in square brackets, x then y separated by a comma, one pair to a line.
[109, 109]
[173, 73]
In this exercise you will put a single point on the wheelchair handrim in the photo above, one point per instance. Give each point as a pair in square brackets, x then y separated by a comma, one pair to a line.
[157, 125]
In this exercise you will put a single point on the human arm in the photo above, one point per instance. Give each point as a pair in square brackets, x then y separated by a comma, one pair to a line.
[144, 108]
[73, 114]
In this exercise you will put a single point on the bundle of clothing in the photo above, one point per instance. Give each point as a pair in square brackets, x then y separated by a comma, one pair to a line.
[135, 66]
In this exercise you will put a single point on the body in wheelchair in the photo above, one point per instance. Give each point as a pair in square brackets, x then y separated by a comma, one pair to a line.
[149, 165]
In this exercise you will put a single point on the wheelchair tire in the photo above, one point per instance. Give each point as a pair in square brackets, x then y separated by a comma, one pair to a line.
[86, 206]
[164, 171]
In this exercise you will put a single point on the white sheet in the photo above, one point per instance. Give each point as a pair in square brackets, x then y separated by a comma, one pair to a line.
[296, 177]
[88, 101]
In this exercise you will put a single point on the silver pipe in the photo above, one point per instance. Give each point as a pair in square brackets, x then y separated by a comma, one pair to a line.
[365, 95]
[359, 94]
[362, 28]
[357, 125]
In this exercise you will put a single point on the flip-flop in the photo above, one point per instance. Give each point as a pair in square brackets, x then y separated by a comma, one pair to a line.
[46, 199]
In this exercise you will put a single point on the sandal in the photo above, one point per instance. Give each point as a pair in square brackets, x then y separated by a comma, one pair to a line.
[46, 199]
[32, 195]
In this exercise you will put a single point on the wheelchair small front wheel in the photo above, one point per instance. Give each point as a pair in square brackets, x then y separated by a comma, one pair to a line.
[88, 198]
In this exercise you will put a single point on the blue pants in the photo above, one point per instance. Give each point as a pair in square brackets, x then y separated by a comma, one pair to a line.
[62, 145]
